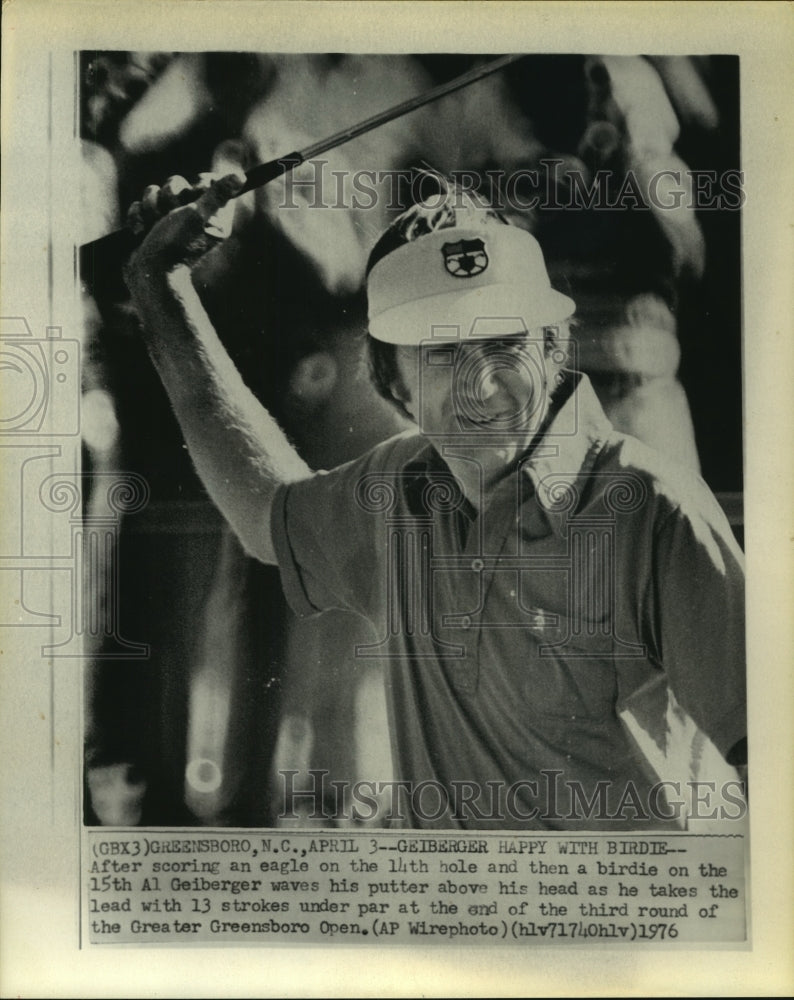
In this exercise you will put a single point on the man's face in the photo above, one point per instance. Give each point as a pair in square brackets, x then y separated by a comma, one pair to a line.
[489, 396]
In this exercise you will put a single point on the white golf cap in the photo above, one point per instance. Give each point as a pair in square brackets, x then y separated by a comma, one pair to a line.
[482, 282]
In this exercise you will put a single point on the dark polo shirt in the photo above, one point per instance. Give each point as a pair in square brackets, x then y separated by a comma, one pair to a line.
[600, 583]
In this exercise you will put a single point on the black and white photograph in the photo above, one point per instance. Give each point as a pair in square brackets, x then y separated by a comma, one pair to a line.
[387, 449]
[506, 327]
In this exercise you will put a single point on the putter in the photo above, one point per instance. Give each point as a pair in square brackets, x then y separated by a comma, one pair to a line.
[100, 258]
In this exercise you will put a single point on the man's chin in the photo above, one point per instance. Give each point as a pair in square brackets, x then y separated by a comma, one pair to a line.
[491, 448]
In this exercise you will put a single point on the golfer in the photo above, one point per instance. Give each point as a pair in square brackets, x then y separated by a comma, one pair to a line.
[540, 587]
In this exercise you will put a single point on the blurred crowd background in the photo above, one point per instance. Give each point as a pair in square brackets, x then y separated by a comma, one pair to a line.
[235, 691]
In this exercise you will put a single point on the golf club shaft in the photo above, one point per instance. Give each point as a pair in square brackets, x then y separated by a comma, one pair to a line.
[117, 244]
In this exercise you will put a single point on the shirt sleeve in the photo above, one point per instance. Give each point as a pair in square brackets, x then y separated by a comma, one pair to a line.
[699, 619]
[329, 546]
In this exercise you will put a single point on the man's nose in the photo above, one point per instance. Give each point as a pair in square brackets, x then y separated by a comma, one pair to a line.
[516, 376]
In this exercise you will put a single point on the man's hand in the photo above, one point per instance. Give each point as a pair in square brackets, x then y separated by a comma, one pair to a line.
[239, 451]
[186, 222]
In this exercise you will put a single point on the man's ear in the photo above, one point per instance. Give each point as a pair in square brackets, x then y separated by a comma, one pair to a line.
[402, 398]
[400, 392]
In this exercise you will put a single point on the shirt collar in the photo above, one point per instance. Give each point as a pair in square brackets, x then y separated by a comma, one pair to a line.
[567, 449]
[564, 453]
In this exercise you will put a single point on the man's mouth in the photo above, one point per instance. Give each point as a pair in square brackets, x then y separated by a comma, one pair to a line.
[488, 420]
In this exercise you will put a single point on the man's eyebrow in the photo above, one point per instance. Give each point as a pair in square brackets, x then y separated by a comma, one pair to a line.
[517, 340]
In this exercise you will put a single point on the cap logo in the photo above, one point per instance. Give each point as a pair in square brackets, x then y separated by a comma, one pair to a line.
[465, 258]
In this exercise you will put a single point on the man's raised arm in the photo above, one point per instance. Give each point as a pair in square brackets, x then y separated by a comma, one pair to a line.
[240, 452]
